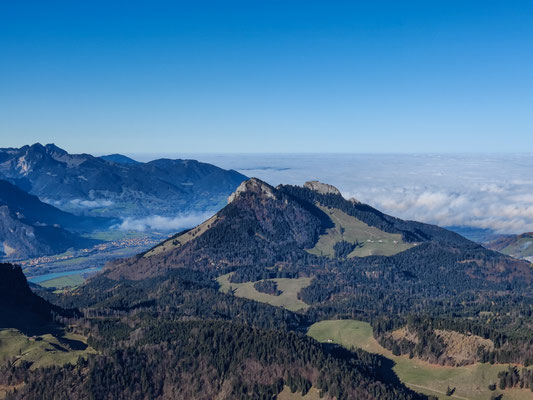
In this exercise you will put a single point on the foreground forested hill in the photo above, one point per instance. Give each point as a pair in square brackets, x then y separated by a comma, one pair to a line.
[177, 337]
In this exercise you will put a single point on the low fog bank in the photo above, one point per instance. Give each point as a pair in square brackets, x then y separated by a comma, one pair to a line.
[160, 223]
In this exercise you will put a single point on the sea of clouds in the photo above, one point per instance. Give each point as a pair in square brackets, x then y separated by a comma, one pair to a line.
[472, 190]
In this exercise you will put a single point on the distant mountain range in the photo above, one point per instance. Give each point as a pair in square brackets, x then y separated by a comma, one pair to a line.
[478, 235]
[115, 185]
[120, 159]
[518, 246]
[31, 228]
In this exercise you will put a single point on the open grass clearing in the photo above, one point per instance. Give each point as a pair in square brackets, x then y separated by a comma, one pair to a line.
[287, 299]
[471, 382]
[43, 350]
[286, 394]
[372, 240]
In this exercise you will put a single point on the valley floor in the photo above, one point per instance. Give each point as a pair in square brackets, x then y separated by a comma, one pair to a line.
[70, 269]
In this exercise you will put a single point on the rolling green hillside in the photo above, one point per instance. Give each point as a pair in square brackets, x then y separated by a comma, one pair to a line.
[369, 240]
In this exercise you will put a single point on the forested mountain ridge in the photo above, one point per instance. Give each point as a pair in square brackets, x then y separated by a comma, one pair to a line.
[412, 231]
[259, 226]
[210, 360]
[97, 186]
[263, 227]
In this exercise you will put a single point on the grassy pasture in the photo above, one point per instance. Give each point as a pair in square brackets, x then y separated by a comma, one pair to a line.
[373, 241]
[471, 382]
[43, 350]
[287, 299]
[286, 394]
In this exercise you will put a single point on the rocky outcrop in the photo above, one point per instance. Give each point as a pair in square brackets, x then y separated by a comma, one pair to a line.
[253, 186]
[322, 188]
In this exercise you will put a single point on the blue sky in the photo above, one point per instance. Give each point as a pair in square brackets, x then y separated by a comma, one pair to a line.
[272, 76]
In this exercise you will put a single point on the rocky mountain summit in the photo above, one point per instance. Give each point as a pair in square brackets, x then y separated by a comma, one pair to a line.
[322, 188]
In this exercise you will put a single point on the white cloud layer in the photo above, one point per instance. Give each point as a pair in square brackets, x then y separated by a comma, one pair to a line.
[91, 203]
[482, 191]
[157, 222]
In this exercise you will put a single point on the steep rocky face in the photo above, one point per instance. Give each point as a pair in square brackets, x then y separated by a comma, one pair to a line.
[325, 188]
[82, 183]
[255, 187]
[21, 238]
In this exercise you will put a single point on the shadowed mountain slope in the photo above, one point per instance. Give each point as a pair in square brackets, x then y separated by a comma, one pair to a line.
[30, 228]
[119, 159]
[19, 307]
